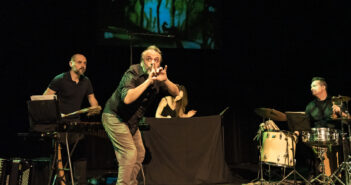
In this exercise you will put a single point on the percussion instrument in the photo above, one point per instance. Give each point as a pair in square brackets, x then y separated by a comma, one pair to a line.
[278, 148]
[321, 137]
[271, 114]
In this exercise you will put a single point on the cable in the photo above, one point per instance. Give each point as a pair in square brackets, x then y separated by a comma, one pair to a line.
[142, 172]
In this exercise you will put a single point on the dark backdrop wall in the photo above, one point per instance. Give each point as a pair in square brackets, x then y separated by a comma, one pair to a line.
[271, 51]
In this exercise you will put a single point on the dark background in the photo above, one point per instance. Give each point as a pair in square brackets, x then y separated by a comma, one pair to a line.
[271, 50]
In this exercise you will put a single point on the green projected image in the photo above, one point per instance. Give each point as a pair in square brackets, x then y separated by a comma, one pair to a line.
[194, 24]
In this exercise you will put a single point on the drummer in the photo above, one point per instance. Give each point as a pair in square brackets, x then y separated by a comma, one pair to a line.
[319, 112]
[321, 109]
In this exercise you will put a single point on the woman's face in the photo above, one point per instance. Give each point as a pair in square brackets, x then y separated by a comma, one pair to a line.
[180, 96]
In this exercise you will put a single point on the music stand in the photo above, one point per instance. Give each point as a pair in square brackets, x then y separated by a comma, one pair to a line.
[297, 121]
[43, 112]
[44, 116]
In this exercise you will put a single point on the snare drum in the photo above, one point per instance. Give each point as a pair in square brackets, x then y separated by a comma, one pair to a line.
[321, 137]
[278, 148]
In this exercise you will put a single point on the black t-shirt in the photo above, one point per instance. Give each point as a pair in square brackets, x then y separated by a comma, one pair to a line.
[132, 113]
[70, 94]
[319, 113]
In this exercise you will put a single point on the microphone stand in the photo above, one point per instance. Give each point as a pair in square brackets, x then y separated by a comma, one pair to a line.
[260, 173]
[345, 165]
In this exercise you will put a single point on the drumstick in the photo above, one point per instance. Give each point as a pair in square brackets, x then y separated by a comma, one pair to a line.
[275, 126]
[93, 110]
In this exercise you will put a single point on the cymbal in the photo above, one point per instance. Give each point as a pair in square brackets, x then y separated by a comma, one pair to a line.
[271, 114]
[342, 98]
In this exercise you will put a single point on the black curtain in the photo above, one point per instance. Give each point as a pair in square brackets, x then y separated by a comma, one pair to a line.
[186, 151]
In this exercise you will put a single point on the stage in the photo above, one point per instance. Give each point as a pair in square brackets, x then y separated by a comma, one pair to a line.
[179, 151]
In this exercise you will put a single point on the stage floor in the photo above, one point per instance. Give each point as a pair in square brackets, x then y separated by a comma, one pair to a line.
[248, 174]
[243, 174]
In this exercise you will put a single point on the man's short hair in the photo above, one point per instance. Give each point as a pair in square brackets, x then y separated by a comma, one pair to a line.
[320, 79]
[73, 57]
[154, 48]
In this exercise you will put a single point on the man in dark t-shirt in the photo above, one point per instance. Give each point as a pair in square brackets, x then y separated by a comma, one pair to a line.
[320, 112]
[71, 87]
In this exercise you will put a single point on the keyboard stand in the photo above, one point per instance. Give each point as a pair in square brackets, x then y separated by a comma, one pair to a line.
[56, 160]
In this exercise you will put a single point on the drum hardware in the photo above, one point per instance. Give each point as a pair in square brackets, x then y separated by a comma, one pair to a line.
[321, 138]
[261, 129]
[260, 172]
[294, 171]
[340, 99]
[266, 125]
[325, 178]
[346, 164]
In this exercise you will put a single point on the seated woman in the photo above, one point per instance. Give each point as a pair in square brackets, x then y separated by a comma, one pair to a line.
[174, 106]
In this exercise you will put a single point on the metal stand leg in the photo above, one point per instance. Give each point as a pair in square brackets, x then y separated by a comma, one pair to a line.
[342, 167]
[55, 160]
[325, 179]
[69, 159]
[293, 172]
[345, 165]
[260, 178]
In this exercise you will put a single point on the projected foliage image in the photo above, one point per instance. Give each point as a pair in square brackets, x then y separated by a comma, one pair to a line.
[168, 23]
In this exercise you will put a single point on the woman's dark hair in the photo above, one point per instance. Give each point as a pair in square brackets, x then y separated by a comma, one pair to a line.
[182, 103]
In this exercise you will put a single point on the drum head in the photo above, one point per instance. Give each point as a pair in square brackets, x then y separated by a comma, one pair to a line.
[321, 137]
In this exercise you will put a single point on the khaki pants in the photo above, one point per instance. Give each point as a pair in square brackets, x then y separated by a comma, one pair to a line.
[129, 150]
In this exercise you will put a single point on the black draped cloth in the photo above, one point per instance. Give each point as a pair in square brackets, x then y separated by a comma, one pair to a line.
[186, 151]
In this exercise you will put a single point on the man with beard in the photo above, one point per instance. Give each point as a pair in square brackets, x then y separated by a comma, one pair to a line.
[140, 85]
[71, 87]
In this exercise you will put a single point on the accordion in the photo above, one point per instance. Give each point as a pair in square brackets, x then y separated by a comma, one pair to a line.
[15, 172]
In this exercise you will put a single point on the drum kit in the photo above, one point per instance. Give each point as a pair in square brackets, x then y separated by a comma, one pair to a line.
[278, 147]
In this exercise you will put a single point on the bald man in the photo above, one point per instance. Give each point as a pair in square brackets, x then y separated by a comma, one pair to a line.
[71, 87]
